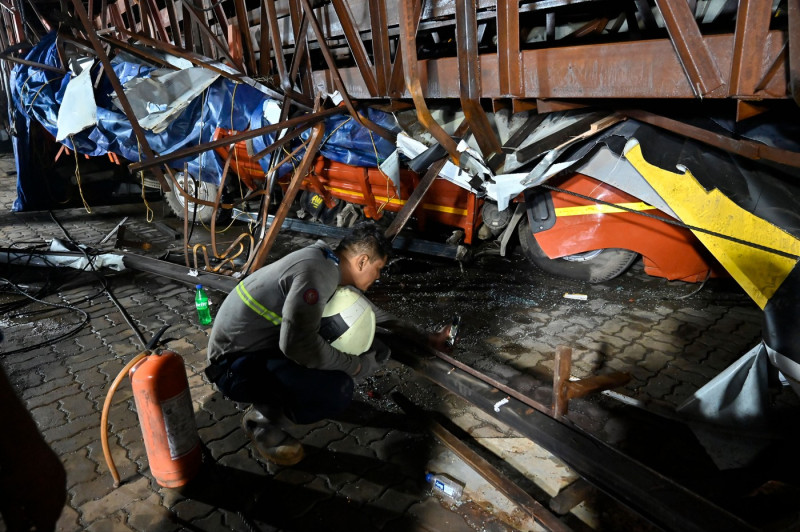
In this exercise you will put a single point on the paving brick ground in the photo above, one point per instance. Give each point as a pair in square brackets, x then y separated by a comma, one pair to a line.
[365, 471]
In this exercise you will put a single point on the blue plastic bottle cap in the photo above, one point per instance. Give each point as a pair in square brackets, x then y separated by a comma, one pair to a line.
[199, 286]
[428, 477]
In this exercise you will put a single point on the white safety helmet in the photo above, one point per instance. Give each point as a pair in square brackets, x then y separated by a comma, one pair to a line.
[348, 321]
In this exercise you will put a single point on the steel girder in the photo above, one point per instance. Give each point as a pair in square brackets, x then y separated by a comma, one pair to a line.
[630, 70]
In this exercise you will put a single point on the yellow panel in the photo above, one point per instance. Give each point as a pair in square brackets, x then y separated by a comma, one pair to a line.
[599, 208]
[384, 199]
[758, 272]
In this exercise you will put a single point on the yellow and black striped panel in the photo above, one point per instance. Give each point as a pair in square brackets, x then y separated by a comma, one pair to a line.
[759, 272]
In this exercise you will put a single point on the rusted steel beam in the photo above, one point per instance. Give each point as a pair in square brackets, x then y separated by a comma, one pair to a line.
[775, 66]
[745, 148]
[277, 46]
[565, 389]
[247, 39]
[219, 15]
[397, 83]
[158, 23]
[206, 31]
[300, 54]
[414, 200]
[752, 25]
[204, 42]
[188, 30]
[312, 118]
[503, 484]
[557, 138]
[470, 78]
[285, 139]
[214, 66]
[236, 46]
[432, 14]
[297, 14]
[656, 497]
[291, 192]
[641, 69]
[334, 73]
[116, 17]
[20, 61]
[129, 16]
[793, 7]
[264, 48]
[145, 19]
[590, 28]
[43, 20]
[380, 46]
[571, 496]
[508, 48]
[701, 69]
[15, 29]
[411, 70]
[356, 46]
[159, 60]
[174, 24]
[562, 365]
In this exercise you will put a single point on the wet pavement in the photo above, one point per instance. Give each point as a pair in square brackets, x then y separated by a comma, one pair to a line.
[365, 471]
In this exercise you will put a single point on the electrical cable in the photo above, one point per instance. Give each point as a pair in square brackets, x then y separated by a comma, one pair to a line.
[107, 290]
[52, 340]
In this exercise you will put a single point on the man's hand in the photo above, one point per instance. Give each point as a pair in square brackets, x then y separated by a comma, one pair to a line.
[372, 360]
[440, 340]
[381, 350]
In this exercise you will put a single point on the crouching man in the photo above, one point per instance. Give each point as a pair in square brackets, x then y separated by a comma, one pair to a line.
[265, 347]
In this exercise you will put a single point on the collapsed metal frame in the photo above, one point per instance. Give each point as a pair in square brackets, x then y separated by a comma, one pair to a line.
[296, 52]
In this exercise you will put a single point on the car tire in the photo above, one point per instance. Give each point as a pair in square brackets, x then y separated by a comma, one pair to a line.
[206, 191]
[594, 266]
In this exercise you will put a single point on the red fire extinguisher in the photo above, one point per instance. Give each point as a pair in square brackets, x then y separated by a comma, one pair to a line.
[164, 407]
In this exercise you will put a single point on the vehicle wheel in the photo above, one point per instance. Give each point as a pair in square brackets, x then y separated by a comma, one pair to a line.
[201, 190]
[594, 266]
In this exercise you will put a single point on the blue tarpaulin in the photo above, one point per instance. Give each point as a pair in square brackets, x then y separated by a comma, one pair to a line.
[37, 94]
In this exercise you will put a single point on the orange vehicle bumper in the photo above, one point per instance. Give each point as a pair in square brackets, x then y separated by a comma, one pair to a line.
[581, 225]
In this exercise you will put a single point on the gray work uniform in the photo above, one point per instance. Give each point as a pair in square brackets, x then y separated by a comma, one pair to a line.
[279, 307]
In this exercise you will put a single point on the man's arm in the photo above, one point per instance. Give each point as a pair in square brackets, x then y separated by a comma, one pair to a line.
[300, 341]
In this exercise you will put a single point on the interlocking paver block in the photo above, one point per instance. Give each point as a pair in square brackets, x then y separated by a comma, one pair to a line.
[54, 395]
[49, 415]
[148, 515]
[114, 523]
[116, 500]
[77, 406]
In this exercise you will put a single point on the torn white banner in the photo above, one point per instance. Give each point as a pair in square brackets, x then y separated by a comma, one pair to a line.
[78, 109]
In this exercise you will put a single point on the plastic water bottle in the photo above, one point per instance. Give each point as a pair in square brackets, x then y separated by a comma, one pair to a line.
[201, 302]
[450, 487]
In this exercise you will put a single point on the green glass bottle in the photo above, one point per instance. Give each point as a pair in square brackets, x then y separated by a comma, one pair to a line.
[201, 302]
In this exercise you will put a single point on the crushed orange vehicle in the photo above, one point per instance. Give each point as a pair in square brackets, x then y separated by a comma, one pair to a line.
[581, 239]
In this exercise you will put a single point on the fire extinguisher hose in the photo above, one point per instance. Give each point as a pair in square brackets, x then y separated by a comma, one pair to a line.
[104, 416]
[107, 405]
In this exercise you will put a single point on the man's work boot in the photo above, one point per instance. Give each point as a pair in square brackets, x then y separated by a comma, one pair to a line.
[270, 440]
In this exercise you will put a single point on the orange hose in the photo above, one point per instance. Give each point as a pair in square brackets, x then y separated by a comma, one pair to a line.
[104, 416]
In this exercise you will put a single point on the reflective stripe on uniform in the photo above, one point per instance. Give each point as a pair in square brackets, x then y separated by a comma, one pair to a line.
[255, 306]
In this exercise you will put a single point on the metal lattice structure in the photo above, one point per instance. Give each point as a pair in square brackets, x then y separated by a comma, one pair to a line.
[482, 57]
